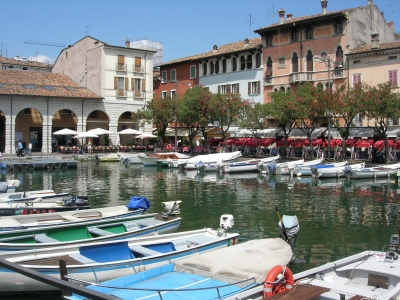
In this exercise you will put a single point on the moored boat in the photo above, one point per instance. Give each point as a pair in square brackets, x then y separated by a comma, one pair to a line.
[9, 186]
[46, 195]
[151, 159]
[107, 260]
[308, 170]
[226, 157]
[374, 172]
[341, 171]
[248, 165]
[130, 158]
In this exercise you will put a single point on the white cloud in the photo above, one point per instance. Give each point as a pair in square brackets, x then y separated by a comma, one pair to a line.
[43, 59]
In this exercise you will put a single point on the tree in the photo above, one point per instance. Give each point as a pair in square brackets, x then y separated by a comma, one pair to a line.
[382, 104]
[282, 108]
[252, 117]
[224, 109]
[159, 112]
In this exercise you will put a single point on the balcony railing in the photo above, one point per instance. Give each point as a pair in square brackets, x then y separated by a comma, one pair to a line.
[120, 67]
[268, 81]
[138, 68]
[120, 93]
[139, 94]
[301, 76]
[338, 73]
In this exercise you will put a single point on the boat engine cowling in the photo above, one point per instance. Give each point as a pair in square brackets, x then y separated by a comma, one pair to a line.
[394, 247]
[226, 222]
[314, 171]
[347, 170]
[292, 228]
[271, 167]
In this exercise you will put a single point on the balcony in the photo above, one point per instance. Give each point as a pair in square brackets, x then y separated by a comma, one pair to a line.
[338, 73]
[268, 81]
[138, 68]
[120, 93]
[301, 76]
[139, 94]
[120, 67]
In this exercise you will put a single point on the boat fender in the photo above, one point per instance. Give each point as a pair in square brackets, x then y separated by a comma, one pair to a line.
[278, 280]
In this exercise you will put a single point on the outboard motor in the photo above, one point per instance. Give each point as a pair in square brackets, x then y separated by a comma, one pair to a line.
[171, 207]
[393, 252]
[288, 230]
[225, 224]
[260, 166]
[271, 168]
[347, 171]
[314, 171]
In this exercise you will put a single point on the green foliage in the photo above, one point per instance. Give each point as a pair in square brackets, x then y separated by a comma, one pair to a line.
[252, 117]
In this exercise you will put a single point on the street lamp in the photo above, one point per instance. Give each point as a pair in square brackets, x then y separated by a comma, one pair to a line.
[327, 60]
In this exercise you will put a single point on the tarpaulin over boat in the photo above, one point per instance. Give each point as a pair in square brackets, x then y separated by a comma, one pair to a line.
[138, 202]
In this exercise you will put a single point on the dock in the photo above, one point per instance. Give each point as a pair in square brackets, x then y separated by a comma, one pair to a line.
[12, 164]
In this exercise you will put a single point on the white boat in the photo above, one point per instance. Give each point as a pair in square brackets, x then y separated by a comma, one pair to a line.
[308, 170]
[9, 186]
[341, 171]
[151, 159]
[248, 165]
[285, 168]
[190, 164]
[46, 195]
[366, 275]
[108, 260]
[130, 158]
[374, 172]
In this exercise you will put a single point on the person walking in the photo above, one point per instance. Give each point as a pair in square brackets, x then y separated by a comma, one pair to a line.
[89, 146]
[30, 149]
[19, 148]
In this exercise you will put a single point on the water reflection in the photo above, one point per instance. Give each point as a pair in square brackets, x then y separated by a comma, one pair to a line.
[338, 217]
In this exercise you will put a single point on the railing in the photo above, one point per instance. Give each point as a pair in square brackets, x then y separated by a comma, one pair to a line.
[138, 68]
[120, 93]
[338, 73]
[139, 94]
[268, 81]
[120, 67]
[301, 76]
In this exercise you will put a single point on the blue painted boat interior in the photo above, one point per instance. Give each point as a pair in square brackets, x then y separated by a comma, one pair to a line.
[107, 252]
[185, 285]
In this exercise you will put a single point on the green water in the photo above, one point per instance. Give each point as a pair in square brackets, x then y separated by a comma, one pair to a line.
[337, 217]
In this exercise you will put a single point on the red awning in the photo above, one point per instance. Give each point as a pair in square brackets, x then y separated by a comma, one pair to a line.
[397, 144]
[351, 142]
[267, 141]
[298, 143]
[281, 142]
[334, 143]
[241, 141]
[364, 143]
[254, 142]
[230, 141]
[314, 142]
[380, 144]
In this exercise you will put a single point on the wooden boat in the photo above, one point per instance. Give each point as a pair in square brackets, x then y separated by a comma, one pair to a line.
[212, 275]
[108, 260]
[341, 171]
[307, 170]
[27, 220]
[38, 206]
[151, 160]
[366, 275]
[190, 164]
[87, 232]
[374, 172]
[247, 165]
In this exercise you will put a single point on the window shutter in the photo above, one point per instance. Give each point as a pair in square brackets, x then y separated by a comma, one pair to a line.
[219, 89]
[237, 88]
[339, 57]
[126, 83]
[258, 87]
[115, 83]
[121, 59]
[228, 88]
[138, 63]
[143, 84]
[394, 74]
[132, 84]
[249, 88]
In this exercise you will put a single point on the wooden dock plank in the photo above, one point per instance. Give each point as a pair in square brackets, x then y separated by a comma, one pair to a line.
[300, 291]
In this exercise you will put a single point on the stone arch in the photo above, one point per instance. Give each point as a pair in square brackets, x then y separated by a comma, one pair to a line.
[63, 118]
[29, 128]
[125, 121]
[98, 118]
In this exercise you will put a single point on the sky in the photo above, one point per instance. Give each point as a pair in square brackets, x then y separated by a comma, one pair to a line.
[184, 27]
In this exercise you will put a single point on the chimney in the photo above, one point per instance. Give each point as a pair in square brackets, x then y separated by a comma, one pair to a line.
[370, 2]
[281, 15]
[374, 41]
[289, 16]
[246, 42]
[128, 43]
[215, 49]
[324, 4]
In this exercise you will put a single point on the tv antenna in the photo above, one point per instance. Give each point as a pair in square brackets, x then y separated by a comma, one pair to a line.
[272, 13]
[250, 22]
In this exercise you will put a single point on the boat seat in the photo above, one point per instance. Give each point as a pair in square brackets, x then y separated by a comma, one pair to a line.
[344, 289]
[143, 250]
[43, 238]
[71, 218]
[98, 231]
[83, 259]
[131, 226]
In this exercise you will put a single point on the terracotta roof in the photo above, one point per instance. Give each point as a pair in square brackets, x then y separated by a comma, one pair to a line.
[224, 49]
[12, 61]
[305, 18]
[383, 46]
[45, 84]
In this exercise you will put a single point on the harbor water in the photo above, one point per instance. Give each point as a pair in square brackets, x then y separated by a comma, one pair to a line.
[337, 217]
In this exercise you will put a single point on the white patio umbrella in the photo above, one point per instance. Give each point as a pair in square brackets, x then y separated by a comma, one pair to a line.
[99, 131]
[130, 131]
[145, 135]
[65, 131]
[85, 135]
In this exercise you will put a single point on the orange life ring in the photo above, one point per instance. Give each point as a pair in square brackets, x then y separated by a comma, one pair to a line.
[278, 280]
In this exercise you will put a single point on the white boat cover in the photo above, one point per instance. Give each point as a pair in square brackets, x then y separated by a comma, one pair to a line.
[251, 259]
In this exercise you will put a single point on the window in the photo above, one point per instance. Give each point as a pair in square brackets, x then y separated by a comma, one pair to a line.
[173, 93]
[192, 72]
[356, 79]
[242, 63]
[393, 77]
[120, 84]
[309, 33]
[356, 62]
[222, 89]
[254, 87]
[212, 67]
[163, 94]
[295, 35]
[281, 62]
[11, 67]
[49, 87]
[392, 57]
[29, 86]
[268, 40]
[234, 64]
[24, 68]
[268, 72]
[164, 76]
[235, 88]
[1, 85]
[258, 60]
[339, 57]
[224, 66]
[295, 63]
[137, 86]
[217, 67]
[121, 63]
[249, 62]
[310, 61]
[172, 74]
[338, 27]
[138, 64]
[205, 69]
